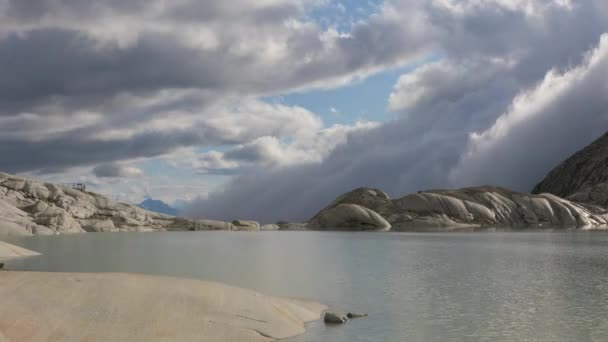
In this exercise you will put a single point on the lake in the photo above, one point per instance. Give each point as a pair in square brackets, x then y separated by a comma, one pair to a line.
[509, 286]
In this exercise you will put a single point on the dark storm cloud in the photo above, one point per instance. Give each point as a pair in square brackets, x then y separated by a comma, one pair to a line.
[43, 64]
[68, 150]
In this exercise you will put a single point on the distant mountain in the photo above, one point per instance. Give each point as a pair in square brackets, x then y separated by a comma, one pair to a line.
[158, 206]
[583, 177]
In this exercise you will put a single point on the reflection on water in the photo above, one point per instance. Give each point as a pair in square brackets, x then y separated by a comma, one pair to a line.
[416, 287]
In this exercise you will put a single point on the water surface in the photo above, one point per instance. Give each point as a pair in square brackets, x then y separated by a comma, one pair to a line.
[543, 286]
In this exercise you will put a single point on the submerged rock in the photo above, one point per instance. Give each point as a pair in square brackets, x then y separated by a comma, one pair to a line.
[352, 315]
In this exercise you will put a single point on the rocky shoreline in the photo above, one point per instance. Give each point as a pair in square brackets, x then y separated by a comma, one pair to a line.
[29, 207]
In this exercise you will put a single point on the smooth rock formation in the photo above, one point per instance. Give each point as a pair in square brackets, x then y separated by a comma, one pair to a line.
[30, 207]
[467, 208]
[349, 217]
[252, 226]
[334, 318]
[8, 251]
[583, 170]
[269, 227]
[39, 307]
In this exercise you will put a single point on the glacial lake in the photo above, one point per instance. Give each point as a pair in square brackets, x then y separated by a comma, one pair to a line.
[511, 286]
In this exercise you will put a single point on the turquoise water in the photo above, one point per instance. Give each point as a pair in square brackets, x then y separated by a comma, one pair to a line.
[415, 287]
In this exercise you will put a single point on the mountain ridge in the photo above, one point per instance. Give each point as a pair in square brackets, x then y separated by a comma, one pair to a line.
[158, 206]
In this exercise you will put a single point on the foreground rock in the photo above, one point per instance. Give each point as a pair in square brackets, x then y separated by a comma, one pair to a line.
[8, 251]
[467, 208]
[126, 307]
[30, 207]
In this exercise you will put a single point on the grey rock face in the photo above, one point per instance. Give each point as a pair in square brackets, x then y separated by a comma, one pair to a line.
[585, 169]
[596, 195]
[30, 207]
[348, 217]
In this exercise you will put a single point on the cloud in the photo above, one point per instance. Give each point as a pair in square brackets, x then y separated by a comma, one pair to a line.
[517, 72]
[269, 152]
[117, 80]
[113, 82]
[116, 171]
[564, 113]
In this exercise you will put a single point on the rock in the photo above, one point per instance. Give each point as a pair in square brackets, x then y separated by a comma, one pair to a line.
[352, 315]
[98, 226]
[96, 307]
[374, 199]
[246, 225]
[348, 217]
[334, 318]
[30, 207]
[292, 226]
[596, 195]
[194, 225]
[460, 209]
[269, 227]
[583, 170]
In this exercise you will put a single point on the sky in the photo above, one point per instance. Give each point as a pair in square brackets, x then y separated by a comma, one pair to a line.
[270, 109]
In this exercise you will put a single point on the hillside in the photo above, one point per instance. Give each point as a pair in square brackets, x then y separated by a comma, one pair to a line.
[581, 176]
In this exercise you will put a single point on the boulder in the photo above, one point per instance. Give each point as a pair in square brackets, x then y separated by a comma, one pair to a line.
[269, 227]
[348, 217]
[334, 318]
[246, 225]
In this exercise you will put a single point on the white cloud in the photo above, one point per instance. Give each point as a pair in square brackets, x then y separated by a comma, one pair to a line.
[566, 111]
